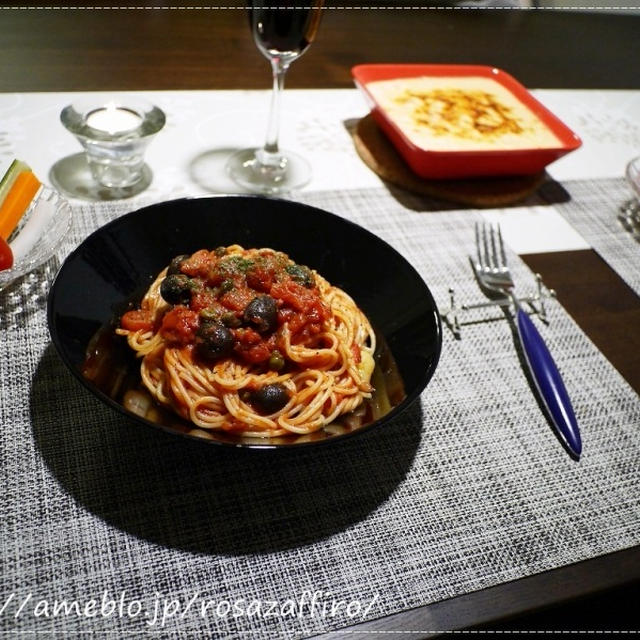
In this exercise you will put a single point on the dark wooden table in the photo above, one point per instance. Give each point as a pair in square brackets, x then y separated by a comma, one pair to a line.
[62, 49]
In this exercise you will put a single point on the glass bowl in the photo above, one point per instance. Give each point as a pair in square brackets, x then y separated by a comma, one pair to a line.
[42, 229]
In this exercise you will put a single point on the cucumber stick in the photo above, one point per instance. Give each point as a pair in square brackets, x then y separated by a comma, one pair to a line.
[14, 170]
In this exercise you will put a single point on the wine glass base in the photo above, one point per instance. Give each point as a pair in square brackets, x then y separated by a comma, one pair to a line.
[246, 170]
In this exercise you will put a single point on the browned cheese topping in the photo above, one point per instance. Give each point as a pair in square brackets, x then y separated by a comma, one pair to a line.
[467, 114]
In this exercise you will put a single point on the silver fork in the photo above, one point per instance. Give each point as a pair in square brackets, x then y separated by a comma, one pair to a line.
[494, 275]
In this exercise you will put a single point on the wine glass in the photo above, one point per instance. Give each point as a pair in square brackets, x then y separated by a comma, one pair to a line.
[629, 213]
[282, 35]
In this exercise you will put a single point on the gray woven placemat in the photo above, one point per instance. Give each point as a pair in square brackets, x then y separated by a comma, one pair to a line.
[468, 489]
[593, 211]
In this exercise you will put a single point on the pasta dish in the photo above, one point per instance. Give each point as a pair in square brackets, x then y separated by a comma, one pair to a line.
[250, 342]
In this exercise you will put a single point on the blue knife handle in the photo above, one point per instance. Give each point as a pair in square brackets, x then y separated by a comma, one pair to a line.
[549, 383]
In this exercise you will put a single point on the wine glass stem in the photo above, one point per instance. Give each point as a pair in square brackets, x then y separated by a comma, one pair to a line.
[271, 153]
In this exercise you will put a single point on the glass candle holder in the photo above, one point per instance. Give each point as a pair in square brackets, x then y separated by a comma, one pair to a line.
[114, 135]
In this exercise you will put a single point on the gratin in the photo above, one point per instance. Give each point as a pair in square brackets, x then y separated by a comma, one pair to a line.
[471, 113]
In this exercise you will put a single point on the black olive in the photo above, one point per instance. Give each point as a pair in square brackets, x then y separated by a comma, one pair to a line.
[176, 263]
[176, 289]
[270, 398]
[262, 313]
[213, 340]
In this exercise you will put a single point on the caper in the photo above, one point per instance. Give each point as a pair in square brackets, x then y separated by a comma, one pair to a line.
[276, 360]
[209, 315]
[301, 274]
[176, 289]
[270, 398]
[226, 285]
[262, 313]
[229, 319]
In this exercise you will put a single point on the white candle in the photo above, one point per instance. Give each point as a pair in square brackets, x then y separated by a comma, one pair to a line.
[113, 119]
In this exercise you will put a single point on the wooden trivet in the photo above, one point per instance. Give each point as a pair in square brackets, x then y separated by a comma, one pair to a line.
[379, 154]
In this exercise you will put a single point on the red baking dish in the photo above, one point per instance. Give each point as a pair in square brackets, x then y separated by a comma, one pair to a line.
[443, 164]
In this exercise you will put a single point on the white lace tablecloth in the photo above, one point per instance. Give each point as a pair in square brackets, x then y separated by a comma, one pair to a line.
[204, 127]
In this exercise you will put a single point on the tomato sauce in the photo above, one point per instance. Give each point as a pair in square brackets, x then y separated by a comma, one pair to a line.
[219, 287]
[179, 326]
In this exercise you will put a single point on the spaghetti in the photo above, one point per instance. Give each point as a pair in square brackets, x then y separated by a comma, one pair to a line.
[249, 342]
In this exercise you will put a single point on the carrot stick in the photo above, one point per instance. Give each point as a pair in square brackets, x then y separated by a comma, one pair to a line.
[14, 170]
[17, 201]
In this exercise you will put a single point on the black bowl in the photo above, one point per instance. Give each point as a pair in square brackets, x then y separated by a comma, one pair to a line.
[115, 265]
